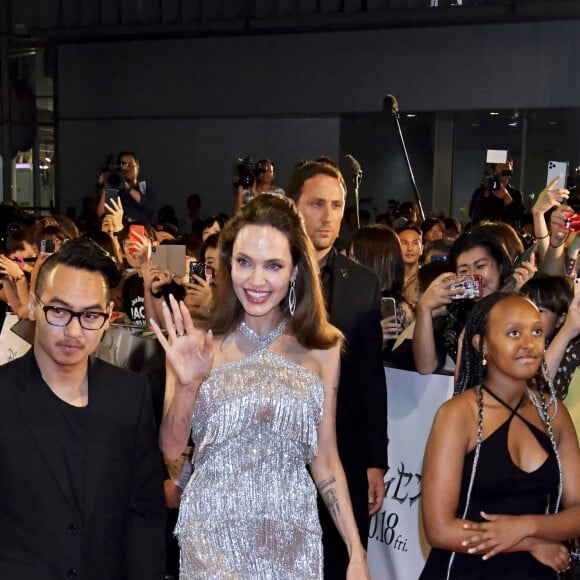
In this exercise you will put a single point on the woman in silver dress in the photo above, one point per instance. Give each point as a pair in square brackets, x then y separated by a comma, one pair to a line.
[255, 382]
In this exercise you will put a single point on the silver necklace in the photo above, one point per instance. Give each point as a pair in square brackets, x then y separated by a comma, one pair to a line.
[267, 339]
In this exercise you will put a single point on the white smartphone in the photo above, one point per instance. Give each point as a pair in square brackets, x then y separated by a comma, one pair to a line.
[555, 169]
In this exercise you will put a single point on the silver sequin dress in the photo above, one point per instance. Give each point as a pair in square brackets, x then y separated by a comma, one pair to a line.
[249, 510]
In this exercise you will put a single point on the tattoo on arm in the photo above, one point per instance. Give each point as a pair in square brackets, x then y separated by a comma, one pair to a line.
[328, 493]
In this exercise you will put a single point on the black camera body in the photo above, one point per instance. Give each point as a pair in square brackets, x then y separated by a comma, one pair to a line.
[114, 178]
[246, 171]
[492, 182]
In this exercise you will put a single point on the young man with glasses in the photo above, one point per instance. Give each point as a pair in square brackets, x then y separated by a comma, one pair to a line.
[136, 196]
[81, 491]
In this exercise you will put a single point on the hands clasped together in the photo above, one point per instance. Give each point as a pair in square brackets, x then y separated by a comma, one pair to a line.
[501, 533]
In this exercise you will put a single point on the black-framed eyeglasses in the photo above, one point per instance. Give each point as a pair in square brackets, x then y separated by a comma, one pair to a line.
[60, 316]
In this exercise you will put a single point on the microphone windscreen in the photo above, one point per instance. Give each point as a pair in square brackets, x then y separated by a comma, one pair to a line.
[390, 104]
[354, 163]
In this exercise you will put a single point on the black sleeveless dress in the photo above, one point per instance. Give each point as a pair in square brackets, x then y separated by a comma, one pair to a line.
[500, 487]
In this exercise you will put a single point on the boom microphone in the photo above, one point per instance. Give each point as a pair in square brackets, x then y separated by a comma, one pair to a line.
[391, 104]
[354, 163]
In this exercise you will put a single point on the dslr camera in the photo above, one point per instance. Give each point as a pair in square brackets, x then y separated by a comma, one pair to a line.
[492, 182]
[246, 171]
[114, 178]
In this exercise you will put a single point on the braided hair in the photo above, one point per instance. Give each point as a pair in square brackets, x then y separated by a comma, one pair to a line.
[472, 371]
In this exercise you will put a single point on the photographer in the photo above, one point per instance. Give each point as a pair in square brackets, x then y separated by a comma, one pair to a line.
[251, 180]
[136, 196]
[496, 199]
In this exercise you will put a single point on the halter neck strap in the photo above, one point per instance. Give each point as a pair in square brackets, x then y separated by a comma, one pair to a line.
[514, 410]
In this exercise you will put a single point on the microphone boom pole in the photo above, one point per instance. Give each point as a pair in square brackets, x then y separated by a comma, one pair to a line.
[357, 169]
[391, 104]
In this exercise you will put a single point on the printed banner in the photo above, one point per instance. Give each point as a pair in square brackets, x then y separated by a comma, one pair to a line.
[397, 546]
[11, 345]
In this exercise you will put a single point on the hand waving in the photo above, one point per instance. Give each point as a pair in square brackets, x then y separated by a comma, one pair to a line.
[116, 210]
[188, 350]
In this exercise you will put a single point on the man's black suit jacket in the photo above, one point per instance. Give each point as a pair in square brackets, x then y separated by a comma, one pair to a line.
[361, 415]
[44, 534]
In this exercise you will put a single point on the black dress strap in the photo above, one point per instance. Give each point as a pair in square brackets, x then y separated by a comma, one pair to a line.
[514, 410]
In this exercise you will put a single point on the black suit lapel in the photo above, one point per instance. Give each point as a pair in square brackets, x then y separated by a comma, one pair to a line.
[42, 421]
[340, 291]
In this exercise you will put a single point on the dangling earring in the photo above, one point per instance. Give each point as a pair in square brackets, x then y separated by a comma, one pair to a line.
[483, 361]
[292, 297]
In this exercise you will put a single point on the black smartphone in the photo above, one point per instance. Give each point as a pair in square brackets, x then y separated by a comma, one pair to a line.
[109, 195]
[47, 246]
[202, 270]
[526, 254]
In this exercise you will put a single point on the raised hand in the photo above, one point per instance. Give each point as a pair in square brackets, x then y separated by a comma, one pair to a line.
[550, 196]
[438, 294]
[139, 248]
[154, 278]
[524, 272]
[198, 295]
[115, 208]
[391, 328]
[188, 350]
[9, 268]
[558, 228]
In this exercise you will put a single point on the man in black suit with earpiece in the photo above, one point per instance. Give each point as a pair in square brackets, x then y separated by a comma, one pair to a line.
[353, 301]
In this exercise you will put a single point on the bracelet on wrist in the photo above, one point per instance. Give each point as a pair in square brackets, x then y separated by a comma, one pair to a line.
[542, 237]
[558, 245]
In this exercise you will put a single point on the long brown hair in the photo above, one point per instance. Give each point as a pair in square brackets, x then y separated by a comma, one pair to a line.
[309, 325]
[377, 247]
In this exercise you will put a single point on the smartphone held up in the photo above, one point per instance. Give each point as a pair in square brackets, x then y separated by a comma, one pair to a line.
[472, 286]
[388, 307]
[202, 270]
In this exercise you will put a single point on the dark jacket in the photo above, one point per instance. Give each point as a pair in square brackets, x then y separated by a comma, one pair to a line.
[118, 533]
[353, 302]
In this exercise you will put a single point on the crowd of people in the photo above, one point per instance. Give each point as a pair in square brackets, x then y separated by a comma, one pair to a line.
[276, 330]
